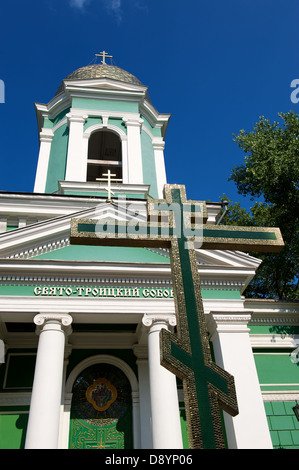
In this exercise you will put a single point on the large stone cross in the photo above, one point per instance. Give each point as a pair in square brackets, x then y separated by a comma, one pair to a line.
[181, 226]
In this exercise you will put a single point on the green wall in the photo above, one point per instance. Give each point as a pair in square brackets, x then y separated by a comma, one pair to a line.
[13, 428]
[283, 425]
[277, 373]
[156, 131]
[105, 253]
[19, 371]
[105, 105]
[57, 160]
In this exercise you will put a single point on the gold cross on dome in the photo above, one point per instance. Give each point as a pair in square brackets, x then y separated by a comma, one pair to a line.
[108, 189]
[104, 54]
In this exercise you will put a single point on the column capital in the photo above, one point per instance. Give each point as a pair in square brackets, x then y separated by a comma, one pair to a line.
[158, 143]
[228, 322]
[46, 135]
[63, 320]
[151, 319]
[130, 121]
[81, 118]
[140, 351]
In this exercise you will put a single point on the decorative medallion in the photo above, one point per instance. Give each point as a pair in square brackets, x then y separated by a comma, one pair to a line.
[101, 394]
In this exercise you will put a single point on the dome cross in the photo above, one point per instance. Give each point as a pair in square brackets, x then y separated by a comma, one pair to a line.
[103, 54]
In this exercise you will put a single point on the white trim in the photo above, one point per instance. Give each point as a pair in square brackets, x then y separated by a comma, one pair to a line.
[102, 358]
[280, 395]
[274, 340]
[281, 385]
[45, 137]
[59, 124]
[91, 129]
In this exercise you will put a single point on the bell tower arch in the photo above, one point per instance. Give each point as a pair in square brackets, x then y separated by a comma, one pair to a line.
[104, 153]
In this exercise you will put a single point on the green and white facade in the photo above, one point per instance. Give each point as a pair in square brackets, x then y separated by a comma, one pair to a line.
[79, 325]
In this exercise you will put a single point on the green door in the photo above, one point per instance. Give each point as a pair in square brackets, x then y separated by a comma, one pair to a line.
[101, 412]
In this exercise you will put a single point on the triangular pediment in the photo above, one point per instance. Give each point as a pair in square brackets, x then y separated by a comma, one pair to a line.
[103, 82]
[50, 240]
[53, 234]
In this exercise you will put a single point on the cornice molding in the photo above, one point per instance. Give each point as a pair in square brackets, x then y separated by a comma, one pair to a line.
[53, 274]
[283, 317]
[274, 341]
[15, 399]
[280, 395]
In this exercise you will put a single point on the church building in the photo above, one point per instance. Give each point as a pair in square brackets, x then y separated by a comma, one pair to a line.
[80, 324]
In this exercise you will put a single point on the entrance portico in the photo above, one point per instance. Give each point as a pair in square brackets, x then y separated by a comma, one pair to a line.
[49, 382]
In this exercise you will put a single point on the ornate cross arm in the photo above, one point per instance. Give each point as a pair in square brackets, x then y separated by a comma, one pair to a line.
[181, 226]
[214, 237]
[159, 233]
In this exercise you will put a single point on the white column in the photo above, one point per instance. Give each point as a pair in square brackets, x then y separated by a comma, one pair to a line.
[141, 352]
[44, 415]
[46, 137]
[3, 224]
[2, 351]
[2, 344]
[124, 152]
[136, 419]
[65, 407]
[134, 158]
[233, 352]
[75, 164]
[158, 145]
[166, 425]
[84, 160]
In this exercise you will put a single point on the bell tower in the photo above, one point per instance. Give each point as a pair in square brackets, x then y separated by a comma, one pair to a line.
[101, 119]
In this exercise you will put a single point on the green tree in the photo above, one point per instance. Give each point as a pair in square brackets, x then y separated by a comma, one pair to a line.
[271, 173]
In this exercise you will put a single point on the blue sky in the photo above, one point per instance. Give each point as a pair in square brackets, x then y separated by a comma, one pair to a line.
[214, 65]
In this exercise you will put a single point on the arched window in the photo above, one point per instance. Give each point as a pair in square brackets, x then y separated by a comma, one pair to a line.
[101, 413]
[104, 153]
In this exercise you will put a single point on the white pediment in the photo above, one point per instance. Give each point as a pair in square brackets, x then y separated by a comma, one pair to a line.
[53, 234]
[105, 86]
[103, 82]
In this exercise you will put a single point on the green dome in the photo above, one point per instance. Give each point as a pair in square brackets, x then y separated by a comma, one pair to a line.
[102, 71]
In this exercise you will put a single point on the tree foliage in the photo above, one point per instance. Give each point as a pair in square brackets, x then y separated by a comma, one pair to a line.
[271, 172]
